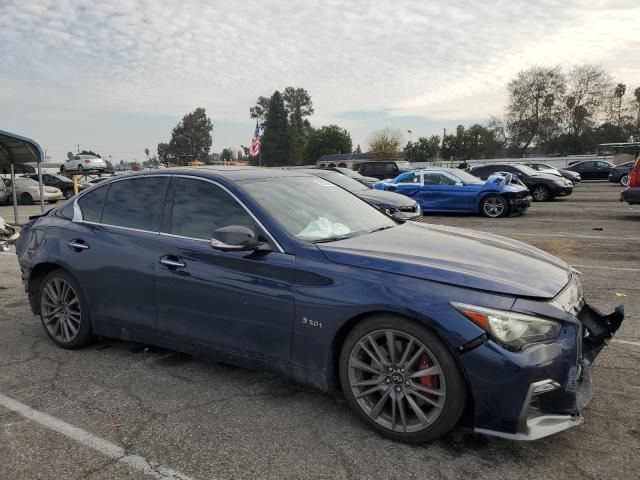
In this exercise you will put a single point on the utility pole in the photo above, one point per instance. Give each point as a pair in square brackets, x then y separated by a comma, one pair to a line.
[78, 145]
[410, 145]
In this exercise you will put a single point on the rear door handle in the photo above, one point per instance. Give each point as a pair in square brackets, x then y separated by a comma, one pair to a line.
[78, 245]
[172, 262]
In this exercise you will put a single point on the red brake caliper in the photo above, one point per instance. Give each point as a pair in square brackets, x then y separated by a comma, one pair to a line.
[431, 380]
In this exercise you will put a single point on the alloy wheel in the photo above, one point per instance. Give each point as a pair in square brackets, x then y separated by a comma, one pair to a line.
[540, 193]
[397, 381]
[624, 181]
[494, 207]
[61, 311]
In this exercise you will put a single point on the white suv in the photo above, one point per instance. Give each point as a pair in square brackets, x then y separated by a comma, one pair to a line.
[80, 163]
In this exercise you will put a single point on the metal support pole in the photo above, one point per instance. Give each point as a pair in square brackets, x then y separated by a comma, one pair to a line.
[260, 158]
[40, 186]
[13, 193]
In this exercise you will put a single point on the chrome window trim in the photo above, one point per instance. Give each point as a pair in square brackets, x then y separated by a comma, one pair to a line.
[77, 213]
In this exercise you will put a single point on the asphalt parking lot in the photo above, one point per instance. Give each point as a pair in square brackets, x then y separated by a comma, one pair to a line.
[118, 410]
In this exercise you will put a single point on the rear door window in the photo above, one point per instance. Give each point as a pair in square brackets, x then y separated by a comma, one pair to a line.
[91, 204]
[136, 203]
[200, 207]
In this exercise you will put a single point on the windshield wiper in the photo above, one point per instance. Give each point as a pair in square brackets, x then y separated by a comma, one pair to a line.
[381, 228]
[334, 239]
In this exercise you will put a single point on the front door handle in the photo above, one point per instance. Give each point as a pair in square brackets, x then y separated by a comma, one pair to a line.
[78, 245]
[172, 262]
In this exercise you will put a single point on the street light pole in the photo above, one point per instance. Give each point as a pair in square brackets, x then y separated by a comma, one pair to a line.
[410, 145]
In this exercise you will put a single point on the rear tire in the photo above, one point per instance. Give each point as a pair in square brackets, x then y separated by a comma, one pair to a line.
[61, 168]
[390, 390]
[26, 199]
[494, 206]
[624, 180]
[541, 193]
[64, 311]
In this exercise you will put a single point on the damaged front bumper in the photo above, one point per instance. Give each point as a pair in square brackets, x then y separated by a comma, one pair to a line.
[543, 389]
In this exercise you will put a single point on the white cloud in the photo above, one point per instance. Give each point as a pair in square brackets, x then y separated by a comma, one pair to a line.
[447, 61]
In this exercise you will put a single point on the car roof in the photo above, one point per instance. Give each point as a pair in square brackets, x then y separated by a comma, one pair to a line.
[233, 173]
[438, 169]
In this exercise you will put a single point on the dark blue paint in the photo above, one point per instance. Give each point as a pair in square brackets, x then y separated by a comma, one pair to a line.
[251, 308]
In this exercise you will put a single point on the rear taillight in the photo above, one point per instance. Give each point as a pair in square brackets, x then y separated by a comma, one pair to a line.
[634, 180]
[87, 161]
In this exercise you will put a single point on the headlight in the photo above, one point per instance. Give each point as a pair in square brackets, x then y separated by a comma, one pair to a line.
[513, 330]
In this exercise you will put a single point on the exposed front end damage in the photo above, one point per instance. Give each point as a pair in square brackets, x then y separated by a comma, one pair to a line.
[551, 380]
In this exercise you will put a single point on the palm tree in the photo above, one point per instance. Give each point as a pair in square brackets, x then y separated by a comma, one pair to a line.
[619, 92]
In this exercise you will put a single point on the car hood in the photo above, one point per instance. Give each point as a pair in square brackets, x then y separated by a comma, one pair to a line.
[466, 258]
[385, 199]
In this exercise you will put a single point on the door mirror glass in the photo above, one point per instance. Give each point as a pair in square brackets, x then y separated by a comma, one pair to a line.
[234, 238]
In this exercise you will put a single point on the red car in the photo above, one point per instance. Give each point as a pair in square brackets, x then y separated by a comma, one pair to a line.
[631, 194]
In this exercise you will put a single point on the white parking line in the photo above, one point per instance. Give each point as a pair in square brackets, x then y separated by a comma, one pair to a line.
[626, 342]
[571, 235]
[624, 269]
[92, 441]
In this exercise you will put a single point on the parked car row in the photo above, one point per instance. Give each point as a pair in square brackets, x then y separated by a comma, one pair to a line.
[543, 186]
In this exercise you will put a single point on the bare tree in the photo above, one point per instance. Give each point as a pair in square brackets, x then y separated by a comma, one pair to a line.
[535, 106]
[385, 144]
[587, 90]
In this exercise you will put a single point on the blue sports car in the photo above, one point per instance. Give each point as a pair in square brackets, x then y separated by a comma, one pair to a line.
[422, 327]
[454, 190]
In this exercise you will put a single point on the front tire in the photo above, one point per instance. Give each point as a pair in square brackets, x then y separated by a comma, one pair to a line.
[401, 379]
[64, 311]
[494, 206]
[541, 193]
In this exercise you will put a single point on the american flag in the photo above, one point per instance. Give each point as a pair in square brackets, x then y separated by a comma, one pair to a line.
[254, 149]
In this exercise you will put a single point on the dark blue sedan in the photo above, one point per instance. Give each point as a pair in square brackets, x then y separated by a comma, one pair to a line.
[422, 327]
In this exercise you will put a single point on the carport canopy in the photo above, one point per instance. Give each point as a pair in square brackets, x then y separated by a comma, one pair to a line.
[16, 152]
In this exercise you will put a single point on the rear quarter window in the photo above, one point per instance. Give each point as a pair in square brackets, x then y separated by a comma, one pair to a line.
[91, 204]
[136, 203]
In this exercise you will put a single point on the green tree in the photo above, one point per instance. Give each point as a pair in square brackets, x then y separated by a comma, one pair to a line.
[535, 108]
[260, 109]
[618, 94]
[146, 152]
[89, 152]
[298, 104]
[359, 150]
[275, 140]
[69, 155]
[385, 144]
[191, 138]
[226, 155]
[327, 140]
[424, 149]
[164, 154]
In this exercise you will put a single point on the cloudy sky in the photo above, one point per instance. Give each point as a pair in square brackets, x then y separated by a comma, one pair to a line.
[116, 76]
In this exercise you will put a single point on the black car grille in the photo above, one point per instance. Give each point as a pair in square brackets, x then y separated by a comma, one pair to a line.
[410, 209]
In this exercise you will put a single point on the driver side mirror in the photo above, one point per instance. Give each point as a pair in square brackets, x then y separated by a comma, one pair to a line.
[234, 238]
